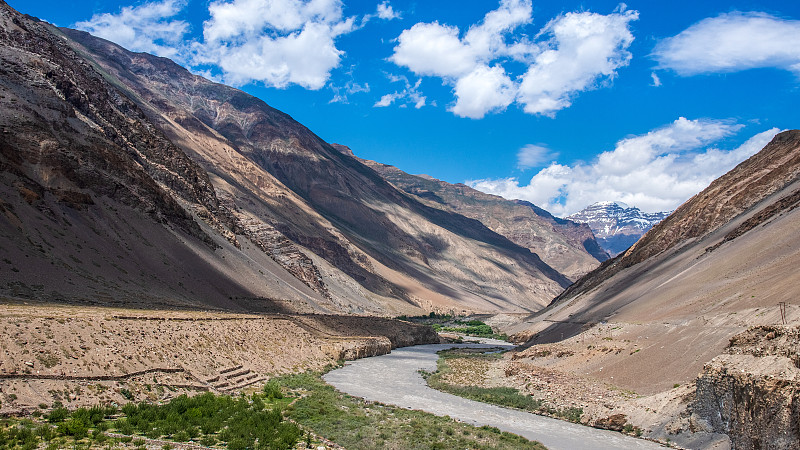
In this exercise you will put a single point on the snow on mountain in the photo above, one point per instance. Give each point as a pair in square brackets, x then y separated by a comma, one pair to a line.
[616, 225]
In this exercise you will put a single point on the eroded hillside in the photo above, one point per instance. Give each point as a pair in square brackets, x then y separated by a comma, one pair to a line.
[129, 181]
[566, 246]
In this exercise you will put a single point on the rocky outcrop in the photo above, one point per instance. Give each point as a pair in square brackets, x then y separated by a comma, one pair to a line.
[752, 392]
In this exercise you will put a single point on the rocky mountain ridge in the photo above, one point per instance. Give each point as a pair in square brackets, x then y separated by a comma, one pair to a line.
[136, 182]
[566, 246]
[616, 225]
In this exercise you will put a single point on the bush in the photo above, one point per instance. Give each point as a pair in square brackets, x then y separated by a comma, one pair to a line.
[58, 414]
[272, 390]
[74, 427]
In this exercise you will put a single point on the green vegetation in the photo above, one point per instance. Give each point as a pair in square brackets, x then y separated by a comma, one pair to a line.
[257, 421]
[449, 323]
[502, 396]
[243, 422]
[246, 422]
[356, 424]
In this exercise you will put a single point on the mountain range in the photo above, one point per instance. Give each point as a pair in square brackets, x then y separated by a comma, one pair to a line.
[616, 225]
[127, 180]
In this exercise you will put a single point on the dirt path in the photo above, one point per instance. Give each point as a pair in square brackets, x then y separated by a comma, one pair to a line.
[395, 379]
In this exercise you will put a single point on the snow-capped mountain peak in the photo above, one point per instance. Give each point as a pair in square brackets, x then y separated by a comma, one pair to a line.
[616, 225]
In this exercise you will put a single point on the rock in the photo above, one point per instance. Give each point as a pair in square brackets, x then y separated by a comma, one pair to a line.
[614, 422]
[751, 393]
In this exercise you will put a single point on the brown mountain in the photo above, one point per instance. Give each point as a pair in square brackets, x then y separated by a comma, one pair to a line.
[126, 179]
[567, 246]
[659, 314]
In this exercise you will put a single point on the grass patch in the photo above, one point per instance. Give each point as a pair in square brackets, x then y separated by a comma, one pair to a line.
[501, 396]
[356, 424]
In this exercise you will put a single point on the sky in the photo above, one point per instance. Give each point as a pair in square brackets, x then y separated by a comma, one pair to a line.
[559, 103]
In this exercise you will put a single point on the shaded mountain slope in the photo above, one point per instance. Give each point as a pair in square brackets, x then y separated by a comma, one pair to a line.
[99, 205]
[566, 246]
[126, 177]
[337, 208]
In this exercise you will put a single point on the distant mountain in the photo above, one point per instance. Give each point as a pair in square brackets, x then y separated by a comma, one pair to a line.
[566, 246]
[616, 225]
[127, 180]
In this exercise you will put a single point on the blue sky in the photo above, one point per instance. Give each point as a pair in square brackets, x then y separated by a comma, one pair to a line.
[560, 103]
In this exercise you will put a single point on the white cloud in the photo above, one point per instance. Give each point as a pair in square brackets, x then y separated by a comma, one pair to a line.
[149, 27]
[732, 42]
[656, 171]
[584, 48]
[656, 79]
[531, 156]
[433, 49]
[483, 90]
[386, 12]
[408, 96]
[275, 42]
[241, 18]
[571, 54]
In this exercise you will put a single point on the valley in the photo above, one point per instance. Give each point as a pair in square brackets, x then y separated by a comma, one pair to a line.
[168, 239]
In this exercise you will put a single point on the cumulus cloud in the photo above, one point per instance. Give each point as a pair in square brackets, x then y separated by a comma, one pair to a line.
[275, 42]
[385, 11]
[483, 90]
[408, 96]
[149, 27]
[572, 53]
[433, 49]
[732, 42]
[656, 171]
[531, 156]
[584, 48]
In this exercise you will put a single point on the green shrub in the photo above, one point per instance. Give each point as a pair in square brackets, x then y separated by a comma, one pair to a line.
[58, 414]
[272, 390]
[126, 393]
[74, 427]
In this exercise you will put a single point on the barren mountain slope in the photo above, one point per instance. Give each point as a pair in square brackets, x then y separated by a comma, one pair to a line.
[126, 178]
[736, 255]
[327, 202]
[722, 262]
[98, 205]
[566, 246]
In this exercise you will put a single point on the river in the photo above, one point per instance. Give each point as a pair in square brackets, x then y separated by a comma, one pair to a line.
[395, 379]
